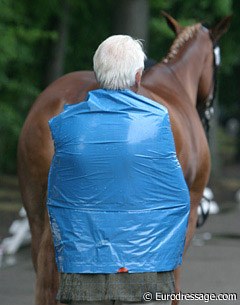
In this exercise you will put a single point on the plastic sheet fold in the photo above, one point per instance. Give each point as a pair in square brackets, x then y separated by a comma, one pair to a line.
[117, 198]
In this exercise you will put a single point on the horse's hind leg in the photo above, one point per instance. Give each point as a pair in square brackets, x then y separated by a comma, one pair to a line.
[43, 258]
[33, 204]
[47, 275]
[34, 195]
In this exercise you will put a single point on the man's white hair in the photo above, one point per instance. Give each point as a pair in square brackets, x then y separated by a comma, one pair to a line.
[117, 60]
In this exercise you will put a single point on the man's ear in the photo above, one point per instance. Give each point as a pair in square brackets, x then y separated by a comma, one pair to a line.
[138, 77]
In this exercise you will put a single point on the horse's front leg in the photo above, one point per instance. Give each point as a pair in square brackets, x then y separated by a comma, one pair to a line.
[195, 200]
[47, 276]
[196, 193]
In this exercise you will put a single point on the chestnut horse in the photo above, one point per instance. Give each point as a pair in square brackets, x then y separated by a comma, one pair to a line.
[182, 82]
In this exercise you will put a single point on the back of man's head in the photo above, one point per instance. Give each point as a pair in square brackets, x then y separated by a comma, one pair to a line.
[117, 60]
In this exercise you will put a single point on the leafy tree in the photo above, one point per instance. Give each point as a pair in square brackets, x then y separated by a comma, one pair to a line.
[18, 79]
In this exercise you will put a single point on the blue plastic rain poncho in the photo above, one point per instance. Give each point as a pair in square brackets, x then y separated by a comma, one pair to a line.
[117, 198]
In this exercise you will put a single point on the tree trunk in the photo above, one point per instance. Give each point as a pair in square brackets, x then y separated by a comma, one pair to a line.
[56, 64]
[131, 17]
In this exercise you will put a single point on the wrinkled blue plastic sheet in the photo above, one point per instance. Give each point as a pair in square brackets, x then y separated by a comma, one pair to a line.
[117, 197]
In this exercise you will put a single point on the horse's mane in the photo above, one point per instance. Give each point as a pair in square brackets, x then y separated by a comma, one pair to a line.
[185, 35]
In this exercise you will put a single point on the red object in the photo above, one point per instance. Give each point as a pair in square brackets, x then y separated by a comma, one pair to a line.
[123, 269]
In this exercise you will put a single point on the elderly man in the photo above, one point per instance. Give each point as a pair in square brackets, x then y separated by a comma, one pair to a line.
[117, 199]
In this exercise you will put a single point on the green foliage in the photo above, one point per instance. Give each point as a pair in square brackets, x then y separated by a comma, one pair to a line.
[18, 79]
[10, 125]
[186, 13]
[90, 24]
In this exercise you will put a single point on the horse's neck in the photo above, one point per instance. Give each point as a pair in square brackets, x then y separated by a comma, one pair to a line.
[187, 69]
[182, 73]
